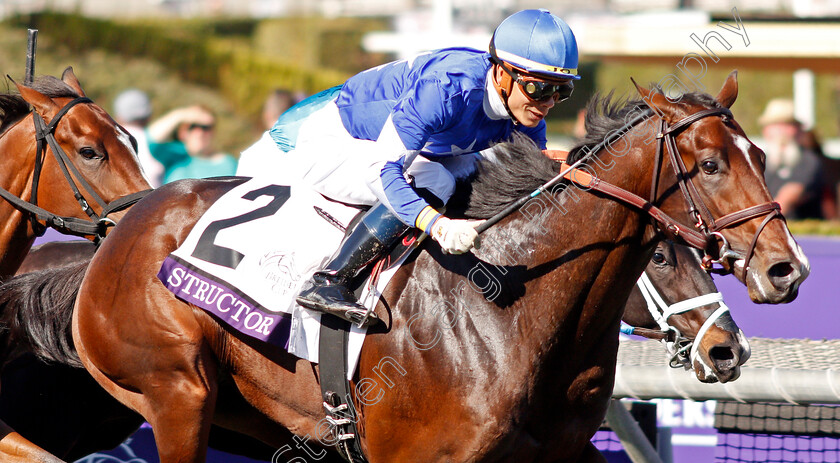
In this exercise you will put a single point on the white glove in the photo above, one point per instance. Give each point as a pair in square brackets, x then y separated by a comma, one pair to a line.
[456, 236]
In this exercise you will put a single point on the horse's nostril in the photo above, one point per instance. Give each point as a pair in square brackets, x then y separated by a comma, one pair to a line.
[783, 275]
[721, 353]
[780, 271]
[723, 357]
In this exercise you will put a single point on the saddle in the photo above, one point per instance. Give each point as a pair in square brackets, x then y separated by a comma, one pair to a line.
[243, 263]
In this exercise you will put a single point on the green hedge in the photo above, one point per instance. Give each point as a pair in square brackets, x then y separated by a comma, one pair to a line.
[191, 50]
[334, 43]
[814, 227]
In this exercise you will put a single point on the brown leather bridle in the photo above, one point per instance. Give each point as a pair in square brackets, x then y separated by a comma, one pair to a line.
[98, 224]
[709, 228]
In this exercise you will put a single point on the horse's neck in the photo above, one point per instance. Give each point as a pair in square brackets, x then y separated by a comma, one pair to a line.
[16, 170]
[577, 265]
[18, 160]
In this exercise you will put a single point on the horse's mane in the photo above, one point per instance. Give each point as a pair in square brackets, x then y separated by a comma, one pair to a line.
[13, 107]
[606, 113]
[513, 169]
[36, 310]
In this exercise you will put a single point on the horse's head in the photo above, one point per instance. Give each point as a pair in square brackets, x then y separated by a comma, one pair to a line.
[101, 158]
[725, 191]
[675, 294]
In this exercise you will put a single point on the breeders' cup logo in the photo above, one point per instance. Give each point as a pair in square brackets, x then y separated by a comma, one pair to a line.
[279, 270]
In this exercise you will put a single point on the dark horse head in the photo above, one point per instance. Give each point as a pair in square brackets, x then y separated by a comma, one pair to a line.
[677, 296]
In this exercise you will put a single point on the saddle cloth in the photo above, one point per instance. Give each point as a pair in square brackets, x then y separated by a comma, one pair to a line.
[249, 255]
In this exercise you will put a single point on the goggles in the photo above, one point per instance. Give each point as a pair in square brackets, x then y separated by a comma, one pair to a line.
[539, 90]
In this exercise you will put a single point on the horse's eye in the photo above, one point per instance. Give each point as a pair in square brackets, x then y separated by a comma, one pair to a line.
[658, 258]
[709, 167]
[89, 153]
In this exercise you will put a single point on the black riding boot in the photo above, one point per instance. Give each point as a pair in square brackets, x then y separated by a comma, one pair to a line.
[328, 290]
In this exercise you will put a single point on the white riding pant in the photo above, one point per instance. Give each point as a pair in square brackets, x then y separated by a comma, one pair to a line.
[344, 168]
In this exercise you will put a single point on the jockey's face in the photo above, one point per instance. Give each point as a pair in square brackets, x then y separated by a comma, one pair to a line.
[527, 110]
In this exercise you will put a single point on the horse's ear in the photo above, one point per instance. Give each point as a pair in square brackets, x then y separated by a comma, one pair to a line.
[43, 104]
[654, 100]
[729, 92]
[70, 79]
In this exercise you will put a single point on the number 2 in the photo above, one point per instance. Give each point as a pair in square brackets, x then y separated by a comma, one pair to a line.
[207, 249]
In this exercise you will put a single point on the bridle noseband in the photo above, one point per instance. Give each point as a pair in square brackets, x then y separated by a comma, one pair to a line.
[684, 352]
[709, 229]
[97, 225]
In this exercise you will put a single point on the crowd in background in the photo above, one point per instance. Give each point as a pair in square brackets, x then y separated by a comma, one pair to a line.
[181, 143]
[800, 177]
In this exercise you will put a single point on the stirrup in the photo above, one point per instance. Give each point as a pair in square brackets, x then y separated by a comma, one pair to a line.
[358, 317]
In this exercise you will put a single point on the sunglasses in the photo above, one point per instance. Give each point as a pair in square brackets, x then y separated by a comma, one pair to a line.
[203, 127]
[539, 90]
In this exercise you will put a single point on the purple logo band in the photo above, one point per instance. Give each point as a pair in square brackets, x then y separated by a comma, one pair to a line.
[229, 305]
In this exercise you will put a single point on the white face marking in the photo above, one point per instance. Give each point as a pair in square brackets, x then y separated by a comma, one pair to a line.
[762, 290]
[125, 139]
[744, 145]
[800, 255]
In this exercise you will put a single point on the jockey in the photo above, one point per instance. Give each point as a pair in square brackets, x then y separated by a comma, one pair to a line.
[398, 135]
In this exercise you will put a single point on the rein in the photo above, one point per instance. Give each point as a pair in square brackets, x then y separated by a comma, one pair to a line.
[97, 225]
[708, 229]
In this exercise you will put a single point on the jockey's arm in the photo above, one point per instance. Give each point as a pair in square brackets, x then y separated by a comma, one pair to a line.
[388, 182]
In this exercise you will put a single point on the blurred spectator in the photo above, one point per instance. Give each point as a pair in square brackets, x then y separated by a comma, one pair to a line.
[132, 110]
[277, 102]
[183, 141]
[792, 170]
[829, 178]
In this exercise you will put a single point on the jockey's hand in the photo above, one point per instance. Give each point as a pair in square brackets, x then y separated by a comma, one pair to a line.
[456, 236]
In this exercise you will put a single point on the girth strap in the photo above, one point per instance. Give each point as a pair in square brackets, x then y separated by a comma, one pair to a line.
[335, 389]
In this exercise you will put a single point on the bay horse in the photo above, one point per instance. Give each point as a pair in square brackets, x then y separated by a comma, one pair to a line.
[81, 418]
[53, 139]
[63, 141]
[519, 375]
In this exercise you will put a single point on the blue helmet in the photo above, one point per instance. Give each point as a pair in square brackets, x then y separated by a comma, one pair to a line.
[537, 42]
